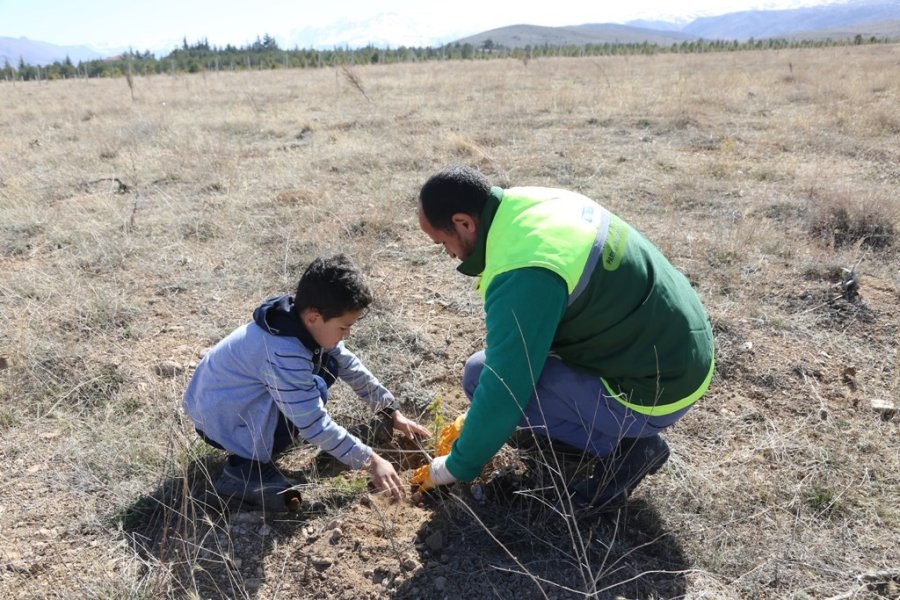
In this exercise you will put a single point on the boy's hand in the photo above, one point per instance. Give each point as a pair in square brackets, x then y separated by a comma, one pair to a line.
[430, 476]
[409, 428]
[385, 478]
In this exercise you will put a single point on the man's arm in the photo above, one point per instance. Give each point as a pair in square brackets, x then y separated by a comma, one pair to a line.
[523, 309]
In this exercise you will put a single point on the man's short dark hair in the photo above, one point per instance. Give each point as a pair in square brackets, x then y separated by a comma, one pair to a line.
[332, 286]
[453, 189]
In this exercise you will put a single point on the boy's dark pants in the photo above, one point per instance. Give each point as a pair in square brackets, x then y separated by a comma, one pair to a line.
[285, 434]
[285, 431]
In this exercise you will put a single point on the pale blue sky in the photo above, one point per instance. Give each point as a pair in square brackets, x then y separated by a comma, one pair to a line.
[156, 24]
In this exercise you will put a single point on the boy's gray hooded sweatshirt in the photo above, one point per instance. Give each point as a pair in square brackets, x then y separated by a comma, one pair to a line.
[273, 364]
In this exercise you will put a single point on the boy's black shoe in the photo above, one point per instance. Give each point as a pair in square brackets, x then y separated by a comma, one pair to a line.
[616, 476]
[256, 483]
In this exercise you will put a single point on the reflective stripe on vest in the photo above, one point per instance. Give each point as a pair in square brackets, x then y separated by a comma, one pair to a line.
[664, 409]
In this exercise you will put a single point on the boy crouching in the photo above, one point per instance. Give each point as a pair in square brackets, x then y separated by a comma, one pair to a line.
[267, 383]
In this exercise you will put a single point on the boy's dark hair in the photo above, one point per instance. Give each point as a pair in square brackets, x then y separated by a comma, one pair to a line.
[332, 286]
[454, 189]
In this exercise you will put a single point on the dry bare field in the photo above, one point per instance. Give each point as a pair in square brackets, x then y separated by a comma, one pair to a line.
[135, 233]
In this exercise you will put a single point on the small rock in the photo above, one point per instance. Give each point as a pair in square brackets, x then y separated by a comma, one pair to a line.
[333, 524]
[321, 561]
[251, 585]
[336, 535]
[885, 408]
[238, 561]
[168, 369]
[409, 564]
[477, 491]
[848, 374]
[4, 364]
[440, 583]
[265, 530]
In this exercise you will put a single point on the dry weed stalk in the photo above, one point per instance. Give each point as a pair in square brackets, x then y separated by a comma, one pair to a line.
[130, 81]
[351, 76]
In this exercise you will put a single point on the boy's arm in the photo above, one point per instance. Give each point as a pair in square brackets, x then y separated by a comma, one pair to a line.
[360, 379]
[379, 399]
[300, 396]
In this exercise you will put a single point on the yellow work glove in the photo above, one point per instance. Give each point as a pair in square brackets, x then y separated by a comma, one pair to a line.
[448, 435]
[422, 478]
[430, 476]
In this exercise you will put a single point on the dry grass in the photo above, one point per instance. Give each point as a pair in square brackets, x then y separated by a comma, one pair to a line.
[136, 230]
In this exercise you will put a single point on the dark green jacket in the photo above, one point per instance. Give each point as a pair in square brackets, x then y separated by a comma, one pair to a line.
[641, 327]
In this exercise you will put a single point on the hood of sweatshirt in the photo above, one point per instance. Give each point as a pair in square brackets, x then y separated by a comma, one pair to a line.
[278, 317]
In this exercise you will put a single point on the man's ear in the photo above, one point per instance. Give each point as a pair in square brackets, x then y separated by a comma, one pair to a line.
[468, 223]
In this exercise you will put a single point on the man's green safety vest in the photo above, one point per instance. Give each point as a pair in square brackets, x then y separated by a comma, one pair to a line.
[572, 236]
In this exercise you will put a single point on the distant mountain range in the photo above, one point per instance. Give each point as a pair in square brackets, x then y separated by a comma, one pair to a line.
[518, 36]
[835, 20]
[41, 53]
[844, 20]
[780, 23]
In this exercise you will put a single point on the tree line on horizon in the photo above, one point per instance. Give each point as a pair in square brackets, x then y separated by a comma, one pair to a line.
[265, 53]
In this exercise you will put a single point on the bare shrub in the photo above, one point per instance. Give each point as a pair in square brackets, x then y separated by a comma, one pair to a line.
[844, 218]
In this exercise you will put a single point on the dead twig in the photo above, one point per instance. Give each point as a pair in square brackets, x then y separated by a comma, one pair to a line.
[865, 581]
[121, 186]
[354, 80]
[389, 532]
[537, 580]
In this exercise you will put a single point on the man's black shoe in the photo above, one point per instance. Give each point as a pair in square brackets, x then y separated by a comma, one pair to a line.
[616, 476]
